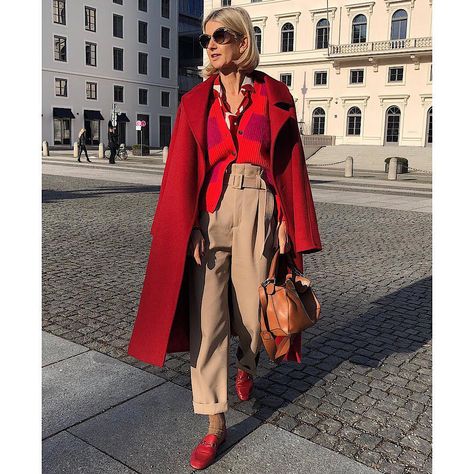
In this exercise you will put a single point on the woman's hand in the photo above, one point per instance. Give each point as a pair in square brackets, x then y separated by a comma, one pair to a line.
[282, 239]
[196, 245]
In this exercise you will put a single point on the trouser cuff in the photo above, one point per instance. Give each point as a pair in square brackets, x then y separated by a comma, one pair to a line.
[210, 408]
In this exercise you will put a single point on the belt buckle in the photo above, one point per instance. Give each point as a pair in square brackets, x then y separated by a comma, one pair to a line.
[237, 181]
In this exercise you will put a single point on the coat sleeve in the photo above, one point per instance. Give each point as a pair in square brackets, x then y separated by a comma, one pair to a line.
[306, 232]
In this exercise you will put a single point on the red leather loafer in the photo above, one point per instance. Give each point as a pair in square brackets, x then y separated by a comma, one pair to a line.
[205, 452]
[243, 384]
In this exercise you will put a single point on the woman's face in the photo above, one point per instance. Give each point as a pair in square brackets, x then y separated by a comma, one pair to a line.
[223, 56]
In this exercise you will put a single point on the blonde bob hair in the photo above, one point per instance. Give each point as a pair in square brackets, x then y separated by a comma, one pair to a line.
[238, 20]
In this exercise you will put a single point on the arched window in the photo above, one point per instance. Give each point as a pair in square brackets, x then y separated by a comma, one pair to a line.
[287, 37]
[319, 121]
[258, 38]
[429, 127]
[393, 124]
[322, 34]
[354, 121]
[359, 29]
[399, 25]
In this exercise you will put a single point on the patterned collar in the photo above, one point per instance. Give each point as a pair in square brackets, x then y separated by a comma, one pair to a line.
[246, 88]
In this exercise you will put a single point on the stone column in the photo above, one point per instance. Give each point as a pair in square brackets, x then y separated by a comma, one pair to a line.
[101, 150]
[45, 148]
[165, 154]
[392, 169]
[76, 149]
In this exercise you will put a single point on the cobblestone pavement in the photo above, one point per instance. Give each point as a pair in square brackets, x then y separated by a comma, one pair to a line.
[364, 388]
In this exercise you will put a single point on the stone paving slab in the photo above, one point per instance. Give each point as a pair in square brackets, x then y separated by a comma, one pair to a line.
[84, 385]
[272, 450]
[156, 431]
[56, 348]
[65, 453]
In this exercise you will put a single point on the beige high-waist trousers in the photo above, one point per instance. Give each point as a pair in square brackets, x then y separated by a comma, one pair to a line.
[239, 238]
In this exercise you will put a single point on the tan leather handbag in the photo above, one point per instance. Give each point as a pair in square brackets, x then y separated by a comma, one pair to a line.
[286, 308]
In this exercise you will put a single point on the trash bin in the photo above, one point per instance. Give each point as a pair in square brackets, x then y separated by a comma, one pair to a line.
[402, 164]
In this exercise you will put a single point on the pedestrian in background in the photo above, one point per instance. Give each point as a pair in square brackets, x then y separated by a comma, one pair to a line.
[81, 139]
[113, 144]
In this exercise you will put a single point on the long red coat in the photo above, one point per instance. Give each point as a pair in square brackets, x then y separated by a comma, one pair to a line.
[162, 324]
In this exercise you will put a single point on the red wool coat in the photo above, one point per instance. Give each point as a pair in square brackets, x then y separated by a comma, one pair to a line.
[162, 324]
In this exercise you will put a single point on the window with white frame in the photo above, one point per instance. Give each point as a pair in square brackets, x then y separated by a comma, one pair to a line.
[356, 76]
[359, 29]
[354, 121]
[59, 12]
[287, 37]
[165, 99]
[322, 34]
[90, 18]
[61, 87]
[399, 25]
[118, 93]
[395, 74]
[118, 59]
[143, 96]
[142, 32]
[286, 78]
[143, 5]
[258, 38]
[91, 90]
[318, 121]
[60, 52]
[117, 26]
[91, 54]
[165, 67]
[165, 8]
[142, 63]
[320, 78]
[165, 37]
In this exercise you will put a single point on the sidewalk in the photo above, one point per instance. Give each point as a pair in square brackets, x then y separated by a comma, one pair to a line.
[102, 415]
[411, 193]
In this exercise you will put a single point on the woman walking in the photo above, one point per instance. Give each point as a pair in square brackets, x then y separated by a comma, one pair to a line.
[82, 144]
[235, 188]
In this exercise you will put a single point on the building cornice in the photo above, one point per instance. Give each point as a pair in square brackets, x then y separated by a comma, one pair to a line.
[280, 17]
[354, 99]
[360, 6]
[322, 12]
[261, 20]
[397, 3]
[393, 97]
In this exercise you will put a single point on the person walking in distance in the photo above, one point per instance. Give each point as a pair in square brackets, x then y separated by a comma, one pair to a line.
[235, 188]
[81, 139]
[113, 144]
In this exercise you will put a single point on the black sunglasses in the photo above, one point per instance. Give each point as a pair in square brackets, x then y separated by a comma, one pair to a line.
[221, 36]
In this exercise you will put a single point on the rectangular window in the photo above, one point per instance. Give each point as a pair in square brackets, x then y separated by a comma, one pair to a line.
[118, 2]
[165, 8]
[60, 48]
[286, 79]
[61, 87]
[118, 59]
[59, 12]
[90, 18]
[165, 37]
[320, 78]
[142, 5]
[165, 67]
[142, 32]
[357, 76]
[118, 26]
[431, 73]
[142, 63]
[225, 3]
[143, 96]
[91, 54]
[165, 99]
[118, 93]
[91, 90]
[395, 74]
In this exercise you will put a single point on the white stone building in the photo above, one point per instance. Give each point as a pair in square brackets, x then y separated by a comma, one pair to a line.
[97, 53]
[360, 71]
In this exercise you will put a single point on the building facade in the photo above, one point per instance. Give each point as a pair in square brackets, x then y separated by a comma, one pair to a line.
[109, 60]
[359, 71]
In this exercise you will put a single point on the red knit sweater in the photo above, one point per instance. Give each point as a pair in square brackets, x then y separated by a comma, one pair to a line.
[243, 137]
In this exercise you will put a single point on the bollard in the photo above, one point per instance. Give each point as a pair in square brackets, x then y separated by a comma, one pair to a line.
[165, 154]
[101, 150]
[392, 169]
[349, 170]
[76, 150]
[45, 148]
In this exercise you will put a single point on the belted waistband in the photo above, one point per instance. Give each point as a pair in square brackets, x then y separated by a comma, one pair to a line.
[247, 175]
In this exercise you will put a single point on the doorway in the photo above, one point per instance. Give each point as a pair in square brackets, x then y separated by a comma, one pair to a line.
[165, 131]
[62, 131]
[92, 131]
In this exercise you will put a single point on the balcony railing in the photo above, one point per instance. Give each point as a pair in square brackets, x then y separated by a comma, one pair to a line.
[381, 46]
